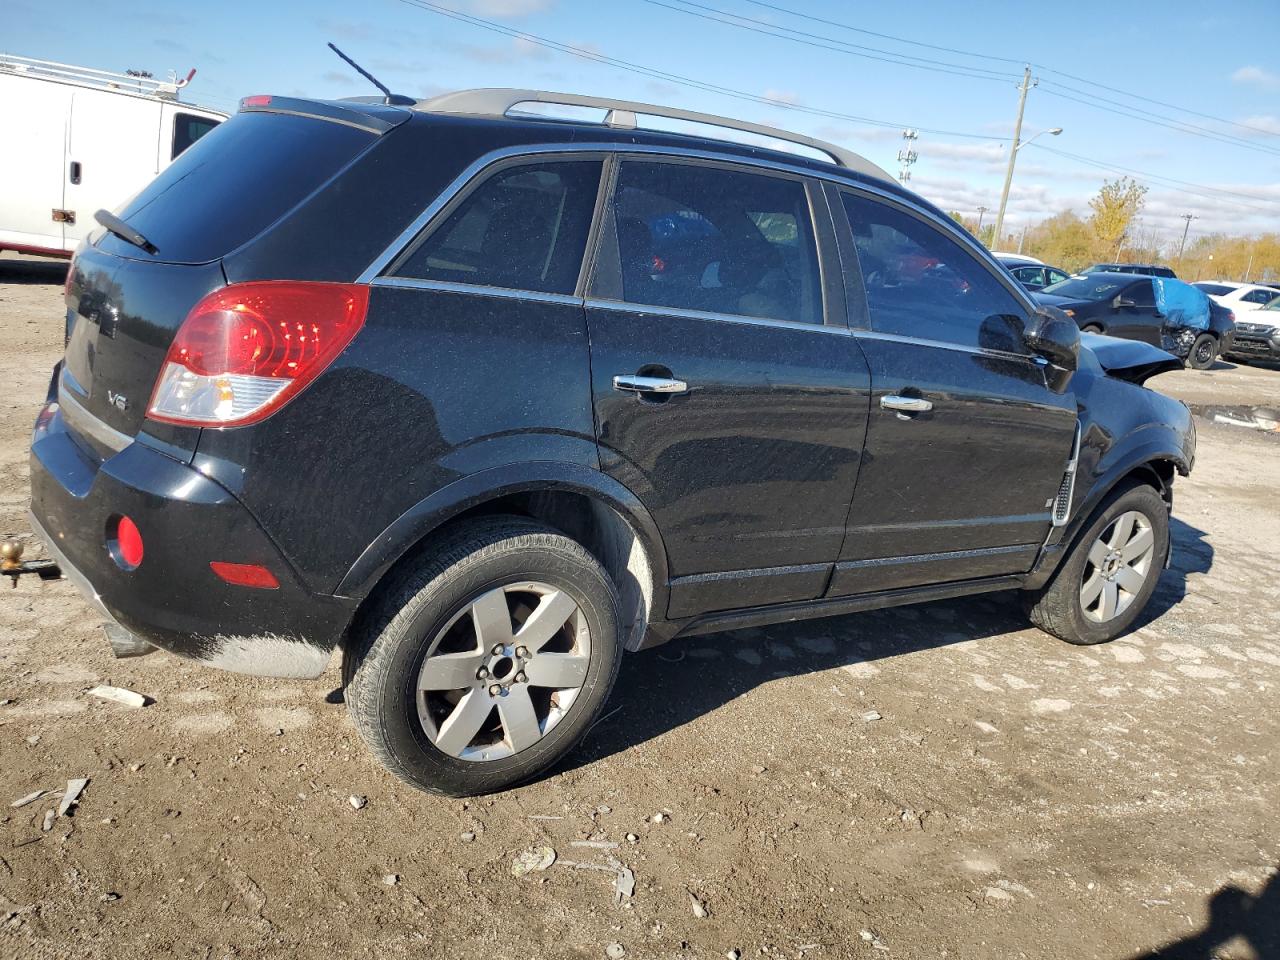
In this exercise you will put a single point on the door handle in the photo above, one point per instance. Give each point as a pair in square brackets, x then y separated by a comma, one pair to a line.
[905, 404]
[75, 171]
[634, 383]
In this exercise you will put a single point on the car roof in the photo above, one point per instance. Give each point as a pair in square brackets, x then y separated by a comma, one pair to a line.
[1117, 275]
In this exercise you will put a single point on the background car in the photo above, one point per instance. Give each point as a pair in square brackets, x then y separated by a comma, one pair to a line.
[1258, 337]
[1125, 305]
[1033, 276]
[1238, 297]
[1142, 269]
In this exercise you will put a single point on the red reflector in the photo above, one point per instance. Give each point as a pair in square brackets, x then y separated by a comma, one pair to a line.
[257, 100]
[126, 544]
[245, 574]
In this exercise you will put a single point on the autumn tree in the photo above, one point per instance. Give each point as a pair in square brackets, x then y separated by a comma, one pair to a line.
[1115, 207]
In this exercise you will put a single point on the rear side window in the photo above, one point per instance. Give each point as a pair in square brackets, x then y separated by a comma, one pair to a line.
[524, 228]
[1217, 289]
[1054, 276]
[921, 283]
[1260, 296]
[234, 183]
[715, 240]
[187, 129]
[1030, 275]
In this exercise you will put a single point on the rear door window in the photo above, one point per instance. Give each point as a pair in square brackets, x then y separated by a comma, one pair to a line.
[187, 129]
[523, 228]
[716, 240]
[922, 283]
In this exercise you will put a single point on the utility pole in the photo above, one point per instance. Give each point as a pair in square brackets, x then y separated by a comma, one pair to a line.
[1187, 226]
[907, 155]
[1023, 237]
[981, 212]
[1013, 152]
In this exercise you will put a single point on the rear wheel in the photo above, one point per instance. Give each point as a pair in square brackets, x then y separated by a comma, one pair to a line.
[1108, 576]
[484, 664]
[1091, 328]
[1203, 352]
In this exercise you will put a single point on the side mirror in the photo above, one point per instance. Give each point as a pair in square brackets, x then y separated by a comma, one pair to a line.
[1051, 334]
[1122, 302]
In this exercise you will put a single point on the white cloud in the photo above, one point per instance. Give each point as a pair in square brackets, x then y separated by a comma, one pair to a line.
[1257, 77]
[506, 9]
[517, 51]
[1265, 123]
[781, 96]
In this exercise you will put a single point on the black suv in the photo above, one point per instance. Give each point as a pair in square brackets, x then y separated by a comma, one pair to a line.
[1142, 269]
[484, 399]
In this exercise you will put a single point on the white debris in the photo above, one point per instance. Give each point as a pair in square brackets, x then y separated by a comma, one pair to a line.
[120, 695]
[624, 885]
[532, 860]
[594, 844]
[632, 838]
[72, 796]
[871, 716]
[29, 798]
[732, 955]
[615, 951]
[357, 802]
[872, 938]
[391, 879]
[699, 907]
[467, 836]
[49, 816]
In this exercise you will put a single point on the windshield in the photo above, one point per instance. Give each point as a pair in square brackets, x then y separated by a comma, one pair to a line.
[1086, 288]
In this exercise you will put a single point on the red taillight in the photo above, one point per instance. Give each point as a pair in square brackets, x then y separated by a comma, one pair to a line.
[244, 351]
[257, 100]
[124, 542]
[245, 574]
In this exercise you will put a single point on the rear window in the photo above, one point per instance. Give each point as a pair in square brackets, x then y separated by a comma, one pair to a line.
[1217, 289]
[235, 182]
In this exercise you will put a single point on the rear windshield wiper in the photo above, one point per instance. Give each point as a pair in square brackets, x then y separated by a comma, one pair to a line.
[124, 231]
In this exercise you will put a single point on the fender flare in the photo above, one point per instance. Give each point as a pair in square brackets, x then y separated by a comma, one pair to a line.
[1117, 464]
[483, 486]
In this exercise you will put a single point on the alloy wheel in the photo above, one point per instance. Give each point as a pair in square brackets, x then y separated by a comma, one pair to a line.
[503, 671]
[1119, 563]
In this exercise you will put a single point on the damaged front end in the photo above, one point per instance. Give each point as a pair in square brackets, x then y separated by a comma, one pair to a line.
[1130, 360]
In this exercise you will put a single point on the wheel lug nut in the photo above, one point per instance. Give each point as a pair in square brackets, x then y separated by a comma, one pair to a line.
[522, 652]
[520, 677]
[497, 650]
[494, 690]
[482, 673]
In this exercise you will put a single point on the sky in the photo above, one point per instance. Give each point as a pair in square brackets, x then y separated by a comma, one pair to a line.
[1176, 93]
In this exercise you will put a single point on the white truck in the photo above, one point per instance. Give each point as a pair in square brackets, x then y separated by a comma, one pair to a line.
[78, 140]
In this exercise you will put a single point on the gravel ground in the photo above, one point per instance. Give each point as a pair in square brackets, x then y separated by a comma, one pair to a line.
[936, 781]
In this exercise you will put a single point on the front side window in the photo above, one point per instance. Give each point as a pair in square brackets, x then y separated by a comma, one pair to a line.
[921, 283]
[1032, 275]
[524, 228]
[1259, 296]
[706, 238]
[1054, 276]
[1142, 294]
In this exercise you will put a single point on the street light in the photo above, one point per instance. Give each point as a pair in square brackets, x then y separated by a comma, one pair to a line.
[1008, 174]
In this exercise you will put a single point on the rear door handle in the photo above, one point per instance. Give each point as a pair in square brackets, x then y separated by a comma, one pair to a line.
[636, 384]
[905, 404]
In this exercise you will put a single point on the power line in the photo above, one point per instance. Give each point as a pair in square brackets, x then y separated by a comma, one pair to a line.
[778, 8]
[715, 15]
[764, 28]
[675, 78]
[1222, 196]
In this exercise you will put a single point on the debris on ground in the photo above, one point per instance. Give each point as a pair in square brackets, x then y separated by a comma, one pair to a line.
[594, 844]
[467, 836]
[871, 937]
[357, 802]
[732, 955]
[699, 907]
[72, 795]
[391, 879]
[49, 816]
[871, 716]
[109, 897]
[615, 951]
[129, 698]
[29, 798]
[533, 860]
[624, 884]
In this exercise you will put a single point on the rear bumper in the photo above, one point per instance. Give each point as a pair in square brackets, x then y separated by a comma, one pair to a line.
[173, 599]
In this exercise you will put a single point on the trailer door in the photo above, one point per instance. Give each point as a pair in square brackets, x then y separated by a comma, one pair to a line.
[112, 154]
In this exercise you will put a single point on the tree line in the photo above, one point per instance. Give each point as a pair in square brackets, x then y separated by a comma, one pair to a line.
[1113, 231]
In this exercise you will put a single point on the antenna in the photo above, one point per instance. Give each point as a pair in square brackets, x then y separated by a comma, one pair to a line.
[907, 155]
[387, 94]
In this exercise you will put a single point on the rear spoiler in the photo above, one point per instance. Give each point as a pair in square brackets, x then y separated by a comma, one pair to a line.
[376, 118]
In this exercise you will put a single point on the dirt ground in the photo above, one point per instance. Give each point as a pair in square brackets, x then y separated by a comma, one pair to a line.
[1017, 797]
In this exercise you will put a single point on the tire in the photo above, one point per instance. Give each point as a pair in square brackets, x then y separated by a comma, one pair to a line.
[1204, 352]
[1060, 609]
[437, 606]
[1091, 328]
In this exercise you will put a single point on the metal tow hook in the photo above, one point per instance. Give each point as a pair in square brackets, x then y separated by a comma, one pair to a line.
[12, 565]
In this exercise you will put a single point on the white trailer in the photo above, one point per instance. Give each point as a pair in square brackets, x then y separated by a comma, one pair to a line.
[78, 140]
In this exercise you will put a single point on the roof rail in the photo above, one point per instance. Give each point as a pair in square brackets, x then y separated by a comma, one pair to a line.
[87, 76]
[625, 114]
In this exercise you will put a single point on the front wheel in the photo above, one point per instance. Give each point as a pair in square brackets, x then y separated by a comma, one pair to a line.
[1091, 328]
[485, 663]
[1108, 576]
[1203, 352]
